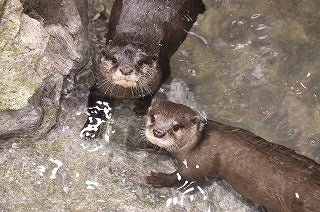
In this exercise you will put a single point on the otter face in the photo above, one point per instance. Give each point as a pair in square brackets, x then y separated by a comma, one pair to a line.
[128, 72]
[173, 126]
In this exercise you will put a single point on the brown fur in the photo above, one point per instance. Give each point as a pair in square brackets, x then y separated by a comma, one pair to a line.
[142, 36]
[269, 174]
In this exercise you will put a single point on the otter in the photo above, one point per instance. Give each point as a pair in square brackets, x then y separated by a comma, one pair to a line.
[269, 174]
[142, 36]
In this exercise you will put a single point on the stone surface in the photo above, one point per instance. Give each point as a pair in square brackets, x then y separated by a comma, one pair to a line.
[23, 42]
[40, 43]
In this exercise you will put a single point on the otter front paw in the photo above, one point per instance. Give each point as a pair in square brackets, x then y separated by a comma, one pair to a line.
[159, 180]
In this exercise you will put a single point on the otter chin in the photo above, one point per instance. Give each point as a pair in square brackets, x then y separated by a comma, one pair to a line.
[269, 174]
[125, 83]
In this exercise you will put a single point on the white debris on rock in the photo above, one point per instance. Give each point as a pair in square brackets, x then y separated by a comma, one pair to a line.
[91, 184]
[55, 170]
[95, 149]
[98, 115]
[41, 170]
[185, 192]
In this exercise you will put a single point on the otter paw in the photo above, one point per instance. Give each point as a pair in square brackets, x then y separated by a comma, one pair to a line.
[159, 180]
[156, 179]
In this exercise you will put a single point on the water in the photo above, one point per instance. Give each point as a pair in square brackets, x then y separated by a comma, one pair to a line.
[255, 65]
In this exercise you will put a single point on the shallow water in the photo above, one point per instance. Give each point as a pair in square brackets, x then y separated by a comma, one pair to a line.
[255, 65]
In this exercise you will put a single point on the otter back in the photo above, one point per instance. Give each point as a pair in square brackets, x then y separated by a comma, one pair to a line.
[269, 174]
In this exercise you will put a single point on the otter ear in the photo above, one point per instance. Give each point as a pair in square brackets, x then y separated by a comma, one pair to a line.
[199, 120]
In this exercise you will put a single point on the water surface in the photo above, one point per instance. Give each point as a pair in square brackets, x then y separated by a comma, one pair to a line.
[255, 65]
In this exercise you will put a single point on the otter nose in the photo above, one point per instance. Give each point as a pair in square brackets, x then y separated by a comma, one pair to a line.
[126, 70]
[158, 133]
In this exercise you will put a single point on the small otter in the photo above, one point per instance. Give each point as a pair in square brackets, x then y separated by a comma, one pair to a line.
[269, 174]
[142, 36]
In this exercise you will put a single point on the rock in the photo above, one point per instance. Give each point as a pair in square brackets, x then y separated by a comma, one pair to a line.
[23, 42]
[41, 42]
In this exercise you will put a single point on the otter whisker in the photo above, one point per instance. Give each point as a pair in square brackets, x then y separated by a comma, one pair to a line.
[135, 91]
[111, 90]
[143, 133]
[131, 89]
[140, 92]
[105, 86]
[148, 90]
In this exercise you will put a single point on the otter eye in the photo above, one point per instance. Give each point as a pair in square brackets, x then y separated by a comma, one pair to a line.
[176, 127]
[114, 60]
[140, 62]
[152, 119]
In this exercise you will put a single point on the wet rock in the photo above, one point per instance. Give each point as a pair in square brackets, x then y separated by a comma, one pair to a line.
[23, 42]
[41, 42]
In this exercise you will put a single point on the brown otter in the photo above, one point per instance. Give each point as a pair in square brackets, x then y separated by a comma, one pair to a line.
[142, 36]
[269, 174]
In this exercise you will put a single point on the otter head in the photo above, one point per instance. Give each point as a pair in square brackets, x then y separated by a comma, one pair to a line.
[173, 126]
[126, 71]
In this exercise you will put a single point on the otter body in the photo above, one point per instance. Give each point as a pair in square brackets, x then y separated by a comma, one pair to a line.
[142, 36]
[269, 174]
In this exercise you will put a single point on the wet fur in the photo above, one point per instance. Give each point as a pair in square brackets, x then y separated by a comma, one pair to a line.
[145, 31]
[269, 174]
[142, 36]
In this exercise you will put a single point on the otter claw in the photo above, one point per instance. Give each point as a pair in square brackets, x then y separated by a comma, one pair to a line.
[159, 180]
[155, 179]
